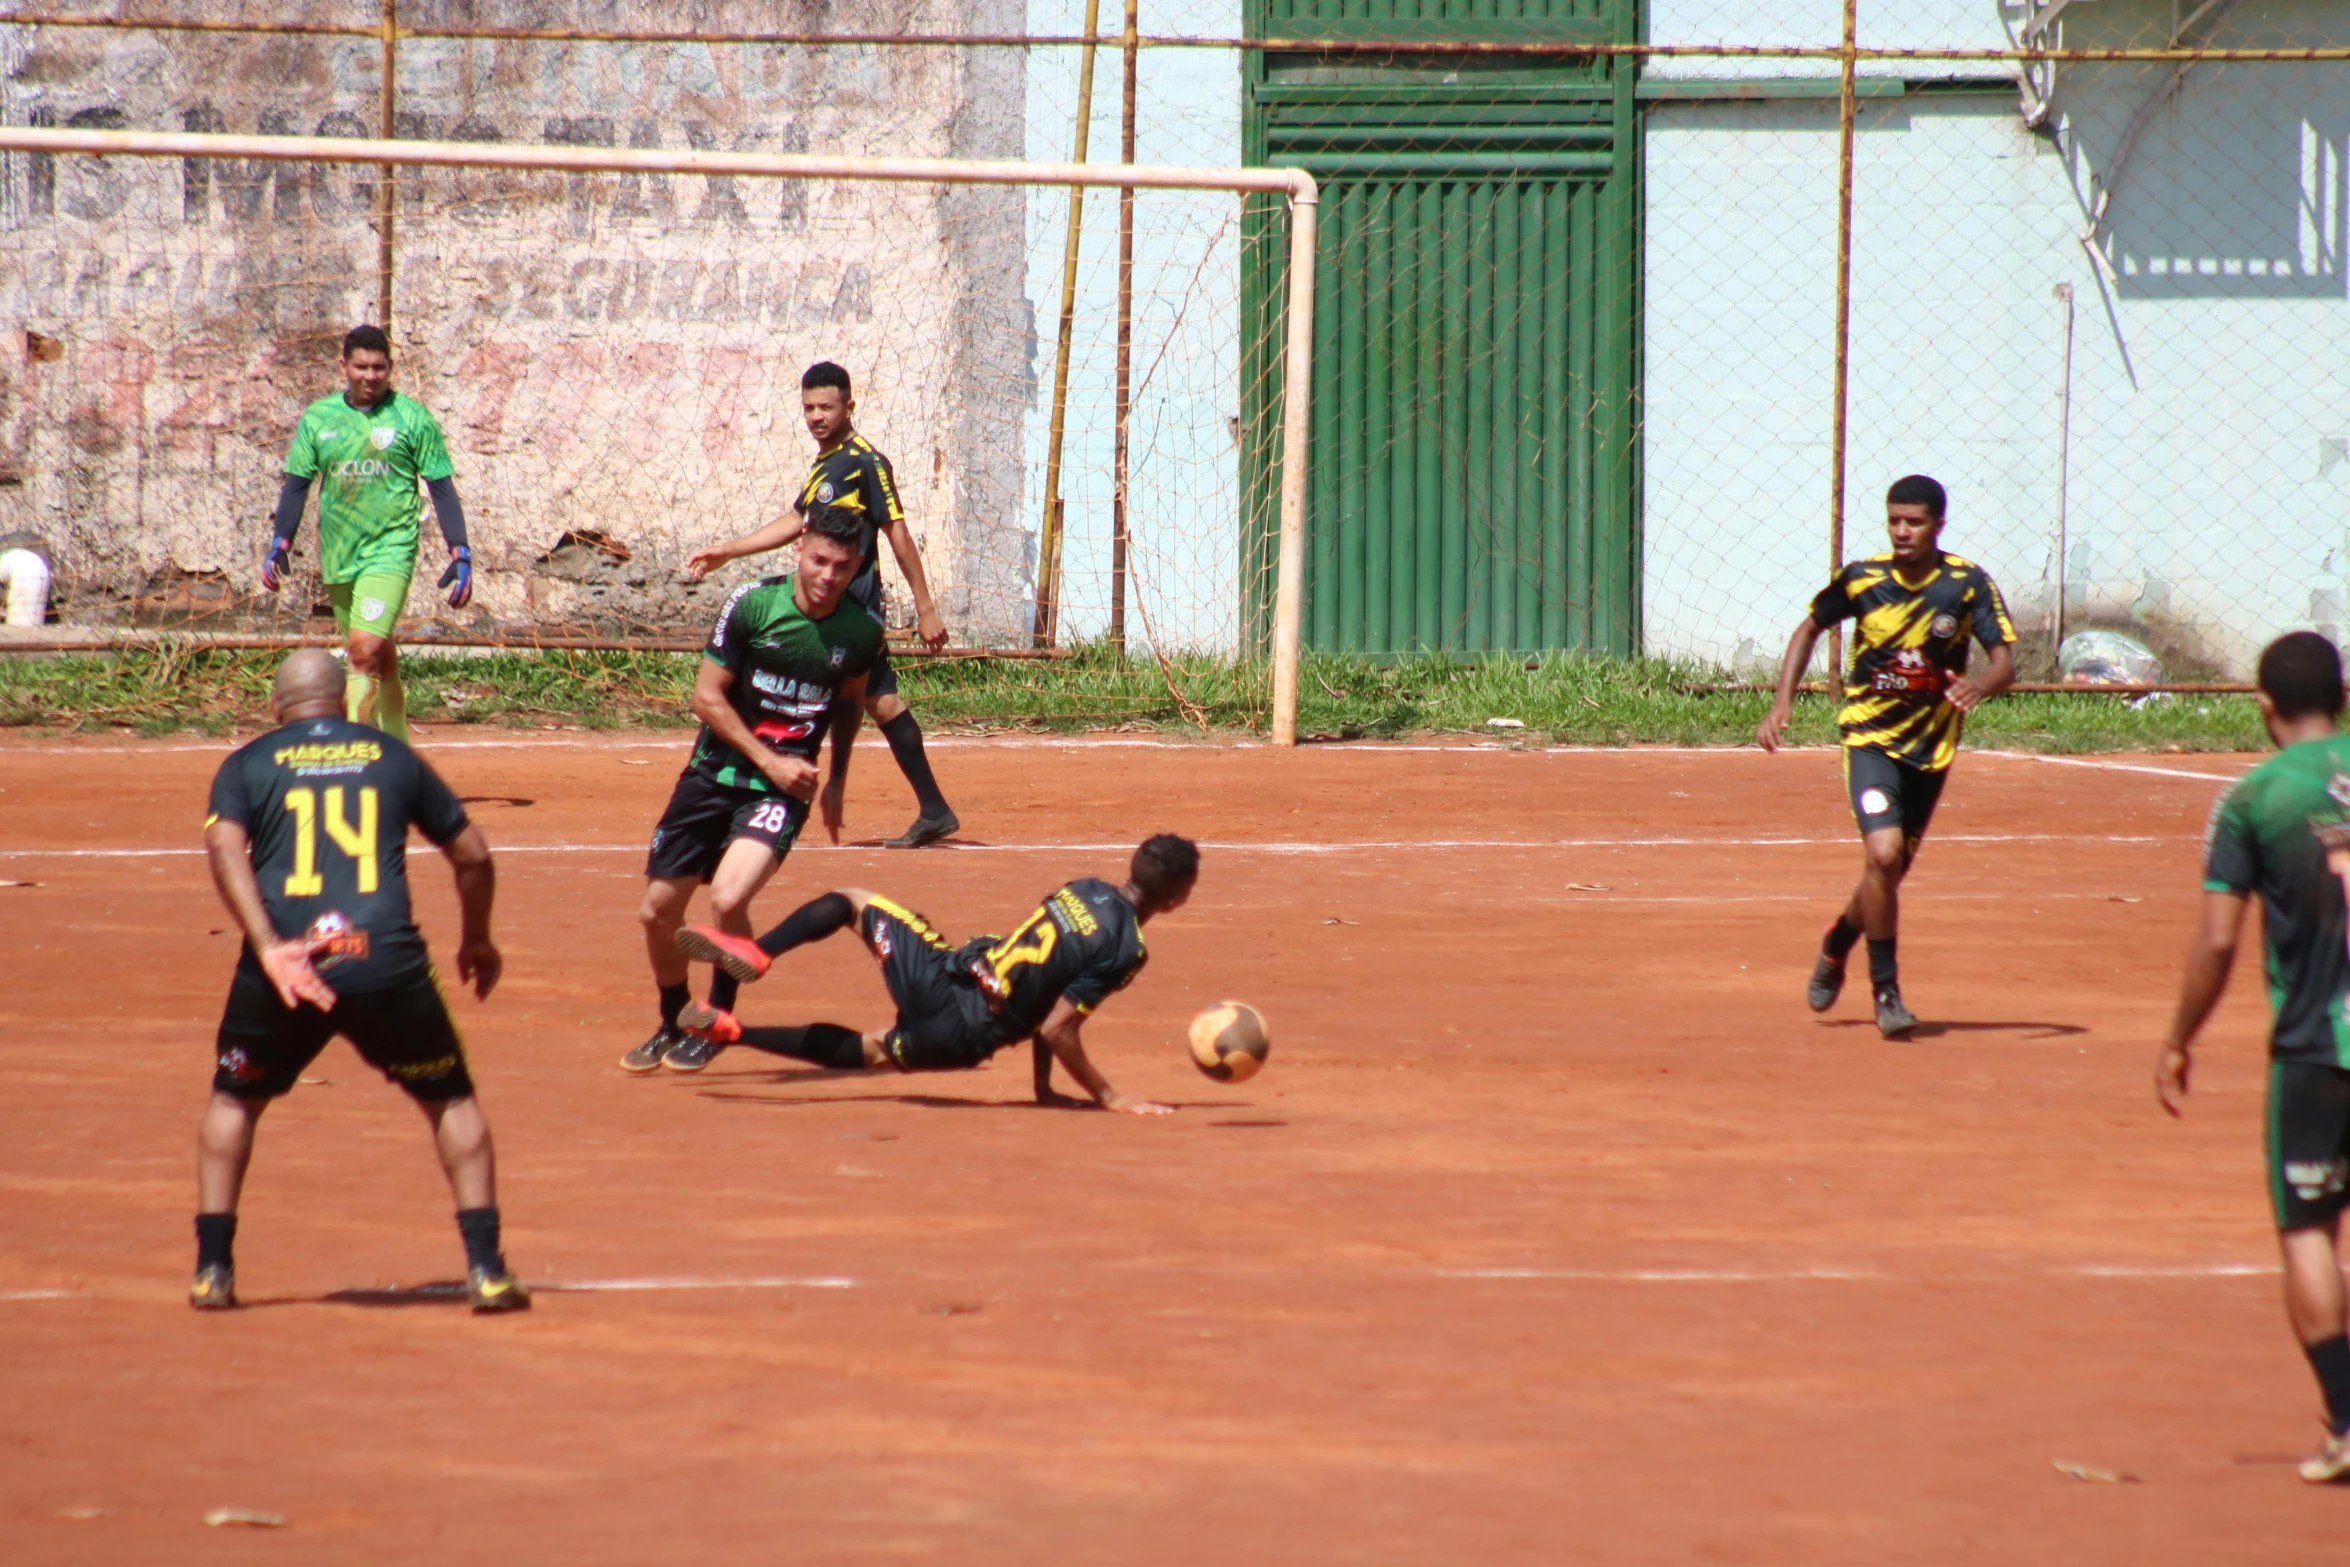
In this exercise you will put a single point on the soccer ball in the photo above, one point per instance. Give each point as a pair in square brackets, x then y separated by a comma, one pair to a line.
[1229, 1041]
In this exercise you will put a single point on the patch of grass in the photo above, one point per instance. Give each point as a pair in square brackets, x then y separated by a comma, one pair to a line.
[1563, 700]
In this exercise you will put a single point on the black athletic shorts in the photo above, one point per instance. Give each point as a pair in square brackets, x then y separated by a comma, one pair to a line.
[2308, 1142]
[1887, 793]
[943, 1022]
[880, 679]
[403, 1032]
[704, 817]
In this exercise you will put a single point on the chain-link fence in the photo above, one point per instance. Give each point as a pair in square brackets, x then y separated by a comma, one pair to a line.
[1581, 378]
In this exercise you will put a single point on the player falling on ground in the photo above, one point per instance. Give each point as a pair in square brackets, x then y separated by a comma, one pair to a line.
[368, 447]
[786, 650]
[959, 1006]
[308, 838]
[2284, 831]
[1906, 696]
[848, 471]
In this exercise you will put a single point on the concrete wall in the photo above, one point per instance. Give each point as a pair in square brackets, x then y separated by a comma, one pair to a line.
[2208, 495]
[611, 353]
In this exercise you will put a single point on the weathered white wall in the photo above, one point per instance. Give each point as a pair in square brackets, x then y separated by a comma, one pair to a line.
[2208, 493]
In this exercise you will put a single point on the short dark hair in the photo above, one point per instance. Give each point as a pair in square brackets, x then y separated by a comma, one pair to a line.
[2302, 674]
[825, 373]
[1164, 865]
[838, 524]
[1918, 490]
[367, 335]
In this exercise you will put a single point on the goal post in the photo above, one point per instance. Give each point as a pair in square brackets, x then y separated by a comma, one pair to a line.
[207, 149]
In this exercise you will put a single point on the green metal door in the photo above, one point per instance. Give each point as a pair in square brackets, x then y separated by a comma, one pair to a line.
[1472, 473]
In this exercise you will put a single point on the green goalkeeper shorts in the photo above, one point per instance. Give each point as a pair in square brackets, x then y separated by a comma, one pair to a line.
[370, 602]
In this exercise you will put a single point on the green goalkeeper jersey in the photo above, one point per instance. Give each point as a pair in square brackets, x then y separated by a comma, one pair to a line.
[367, 463]
[2283, 832]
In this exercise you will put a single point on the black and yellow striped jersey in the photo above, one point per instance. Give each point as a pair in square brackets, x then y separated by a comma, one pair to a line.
[855, 475]
[1909, 641]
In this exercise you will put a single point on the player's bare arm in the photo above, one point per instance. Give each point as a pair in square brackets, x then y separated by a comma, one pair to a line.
[2210, 955]
[1968, 692]
[479, 963]
[849, 702]
[709, 703]
[928, 625]
[774, 536]
[1792, 664]
[1063, 1034]
[285, 962]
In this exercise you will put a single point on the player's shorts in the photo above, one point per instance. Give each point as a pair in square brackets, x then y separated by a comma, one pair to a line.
[403, 1031]
[880, 680]
[705, 816]
[943, 1022]
[1887, 793]
[370, 602]
[2308, 1142]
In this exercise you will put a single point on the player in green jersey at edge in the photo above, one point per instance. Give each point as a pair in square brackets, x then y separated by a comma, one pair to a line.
[850, 471]
[2283, 831]
[787, 656]
[1907, 692]
[368, 448]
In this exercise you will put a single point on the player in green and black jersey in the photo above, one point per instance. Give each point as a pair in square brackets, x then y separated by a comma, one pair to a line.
[785, 651]
[308, 836]
[368, 448]
[849, 471]
[1907, 692]
[957, 1006]
[2283, 831]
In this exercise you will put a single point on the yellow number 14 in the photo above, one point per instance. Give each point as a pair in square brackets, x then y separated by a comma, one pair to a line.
[359, 843]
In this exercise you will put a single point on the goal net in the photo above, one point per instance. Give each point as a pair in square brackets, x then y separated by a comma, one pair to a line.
[614, 356]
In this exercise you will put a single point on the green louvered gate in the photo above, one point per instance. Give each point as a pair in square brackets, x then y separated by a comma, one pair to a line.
[1476, 308]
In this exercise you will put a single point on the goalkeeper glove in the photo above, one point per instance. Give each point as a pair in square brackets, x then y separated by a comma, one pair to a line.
[274, 564]
[460, 572]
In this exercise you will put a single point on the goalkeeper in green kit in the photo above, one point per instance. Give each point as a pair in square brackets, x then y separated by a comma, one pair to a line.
[368, 447]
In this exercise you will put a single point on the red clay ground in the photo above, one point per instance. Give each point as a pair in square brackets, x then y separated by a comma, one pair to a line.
[1556, 1231]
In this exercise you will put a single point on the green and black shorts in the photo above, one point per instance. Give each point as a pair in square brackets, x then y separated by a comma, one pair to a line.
[2308, 1142]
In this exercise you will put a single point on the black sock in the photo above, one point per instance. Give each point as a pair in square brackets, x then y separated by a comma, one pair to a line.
[723, 989]
[479, 1226]
[1842, 937]
[2331, 1361]
[1884, 968]
[673, 1000]
[216, 1233]
[905, 743]
[823, 1044]
[811, 921]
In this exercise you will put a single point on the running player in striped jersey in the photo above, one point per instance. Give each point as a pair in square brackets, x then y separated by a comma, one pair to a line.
[1907, 692]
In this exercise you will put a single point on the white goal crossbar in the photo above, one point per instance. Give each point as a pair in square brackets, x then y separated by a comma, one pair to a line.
[1295, 184]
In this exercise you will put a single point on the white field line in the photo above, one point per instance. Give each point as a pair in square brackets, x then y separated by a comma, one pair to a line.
[2112, 767]
[6, 1295]
[1386, 846]
[2201, 1270]
[587, 1286]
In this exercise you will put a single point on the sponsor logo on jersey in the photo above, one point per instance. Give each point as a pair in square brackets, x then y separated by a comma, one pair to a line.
[343, 753]
[1943, 627]
[382, 437]
[840, 656]
[725, 614]
[335, 940]
[1073, 913]
[360, 468]
[824, 493]
[774, 684]
[880, 939]
[778, 734]
[2339, 787]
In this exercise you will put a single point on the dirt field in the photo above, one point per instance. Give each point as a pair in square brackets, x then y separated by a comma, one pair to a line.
[1557, 1230]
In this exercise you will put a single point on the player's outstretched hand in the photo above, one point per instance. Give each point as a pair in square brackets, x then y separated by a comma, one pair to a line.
[1766, 733]
[479, 963]
[460, 572]
[287, 963]
[2171, 1069]
[275, 564]
[702, 562]
[932, 630]
[1127, 1104]
[828, 805]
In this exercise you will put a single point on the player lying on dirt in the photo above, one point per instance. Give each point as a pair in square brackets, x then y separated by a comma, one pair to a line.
[959, 1006]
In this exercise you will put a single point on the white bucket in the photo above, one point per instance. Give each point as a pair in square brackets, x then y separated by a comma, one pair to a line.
[26, 576]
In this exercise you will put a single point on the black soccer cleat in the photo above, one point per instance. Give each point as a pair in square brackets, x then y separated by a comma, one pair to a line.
[213, 1288]
[647, 1057]
[1894, 1020]
[926, 830]
[1827, 983]
[487, 1292]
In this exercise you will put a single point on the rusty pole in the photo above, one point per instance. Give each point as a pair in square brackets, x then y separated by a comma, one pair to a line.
[1048, 551]
[383, 186]
[1838, 415]
[1119, 535]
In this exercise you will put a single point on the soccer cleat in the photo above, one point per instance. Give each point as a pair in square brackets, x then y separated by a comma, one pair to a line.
[647, 1056]
[214, 1288]
[2330, 1463]
[926, 830]
[1894, 1020]
[1827, 983]
[737, 955]
[692, 1053]
[499, 1291]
